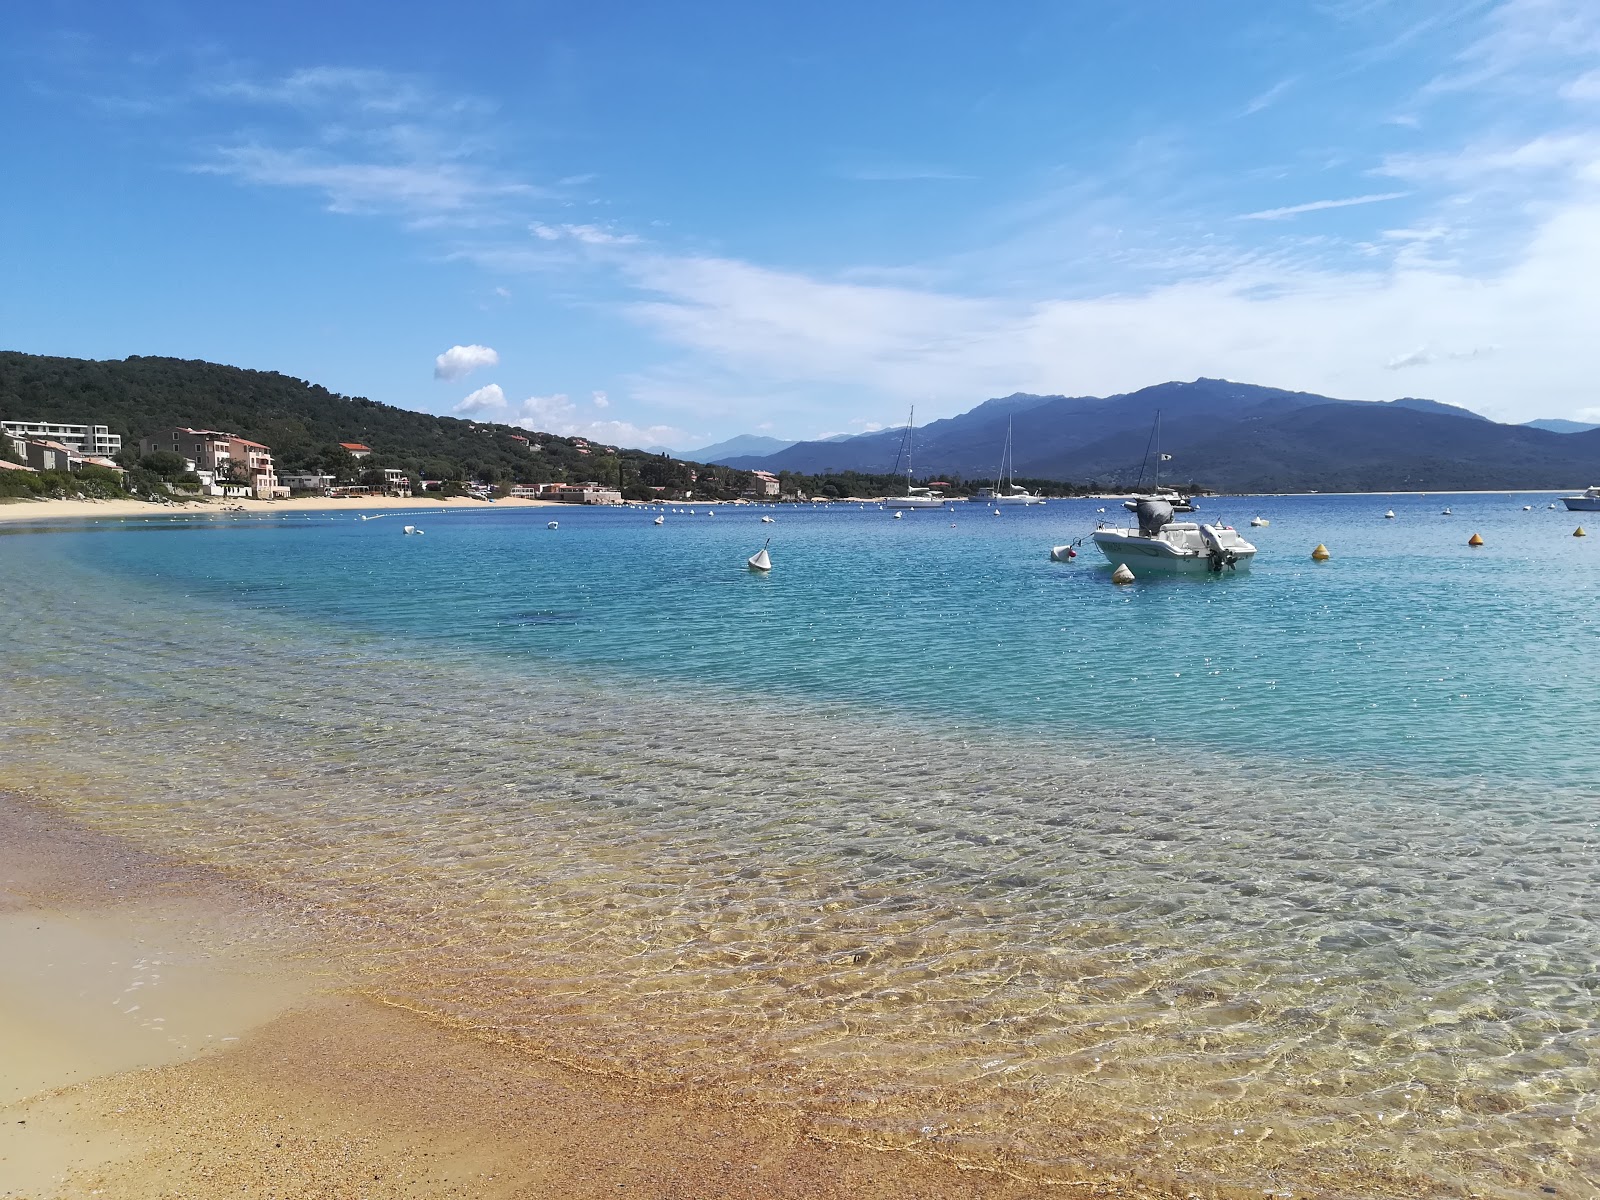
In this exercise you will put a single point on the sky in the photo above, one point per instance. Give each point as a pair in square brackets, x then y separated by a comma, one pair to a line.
[666, 224]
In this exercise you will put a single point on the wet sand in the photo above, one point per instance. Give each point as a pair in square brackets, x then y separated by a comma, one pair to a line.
[171, 1032]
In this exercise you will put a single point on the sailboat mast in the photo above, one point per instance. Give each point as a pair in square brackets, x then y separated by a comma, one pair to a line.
[911, 435]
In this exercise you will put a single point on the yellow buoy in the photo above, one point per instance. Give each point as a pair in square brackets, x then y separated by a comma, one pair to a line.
[1320, 554]
[1122, 574]
[1474, 540]
[1578, 532]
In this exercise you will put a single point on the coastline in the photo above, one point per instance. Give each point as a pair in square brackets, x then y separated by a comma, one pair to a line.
[52, 510]
[308, 1086]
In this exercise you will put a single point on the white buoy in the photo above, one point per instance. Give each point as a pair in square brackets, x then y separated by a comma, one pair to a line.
[1063, 553]
[1389, 516]
[1527, 508]
[768, 521]
[411, 528]
[1446, 513]
[997, 512]
[897, 516]
[553, 525]
[1122, 574]
[660, 520]
[1259, 521]
[761, 560]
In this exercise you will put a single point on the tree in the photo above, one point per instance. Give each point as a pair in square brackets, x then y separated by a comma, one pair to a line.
[165, 463]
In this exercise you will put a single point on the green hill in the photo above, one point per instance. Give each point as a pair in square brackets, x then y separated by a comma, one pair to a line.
[304, 424]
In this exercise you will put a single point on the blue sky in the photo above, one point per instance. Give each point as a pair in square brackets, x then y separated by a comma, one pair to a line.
[666, 224]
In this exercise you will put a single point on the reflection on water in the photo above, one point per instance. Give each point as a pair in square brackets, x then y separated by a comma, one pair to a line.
[1114, 958]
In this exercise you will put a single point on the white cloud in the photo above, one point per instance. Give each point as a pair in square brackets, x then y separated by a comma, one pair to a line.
[489, 398]
[1584, 88]
[558, 414]
[589, 235]
[601, 400]
[460, 361]
[1277, 214]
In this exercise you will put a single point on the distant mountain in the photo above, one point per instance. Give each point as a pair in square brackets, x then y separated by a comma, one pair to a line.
[1224, 435]
[745, 444]
[1558, 425]
[1436, 406]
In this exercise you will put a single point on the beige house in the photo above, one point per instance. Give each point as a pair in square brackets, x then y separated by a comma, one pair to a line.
[221, 454]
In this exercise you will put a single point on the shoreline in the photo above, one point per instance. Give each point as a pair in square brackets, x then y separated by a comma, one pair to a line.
[48, 510]
[239, 1059]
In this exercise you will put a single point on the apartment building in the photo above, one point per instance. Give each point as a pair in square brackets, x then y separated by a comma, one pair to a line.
[94, 440]
[220, 453]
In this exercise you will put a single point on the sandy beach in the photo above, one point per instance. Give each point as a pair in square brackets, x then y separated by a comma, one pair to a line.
[52, 510]
[182, 1035]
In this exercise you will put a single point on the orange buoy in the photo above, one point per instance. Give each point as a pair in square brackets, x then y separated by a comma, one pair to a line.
[1474, 540]
[1320, 554]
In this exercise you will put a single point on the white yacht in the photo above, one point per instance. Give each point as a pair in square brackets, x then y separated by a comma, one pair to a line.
[1007, 492]
[1588, 502]
[1159, 543]
[915, 497]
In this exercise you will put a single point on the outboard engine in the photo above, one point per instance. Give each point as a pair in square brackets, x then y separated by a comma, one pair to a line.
[1219, 555]
[1153, 515]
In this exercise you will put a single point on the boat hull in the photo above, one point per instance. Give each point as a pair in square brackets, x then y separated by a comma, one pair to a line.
[1581, 503]
[914, 502]
[1140, 554]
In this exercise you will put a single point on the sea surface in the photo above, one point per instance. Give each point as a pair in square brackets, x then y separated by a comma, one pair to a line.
[1279, 883]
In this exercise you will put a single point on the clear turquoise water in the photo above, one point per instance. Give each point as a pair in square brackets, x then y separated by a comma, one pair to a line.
[1282, 880]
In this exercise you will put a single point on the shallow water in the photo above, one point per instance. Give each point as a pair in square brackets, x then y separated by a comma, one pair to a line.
[1283, 881]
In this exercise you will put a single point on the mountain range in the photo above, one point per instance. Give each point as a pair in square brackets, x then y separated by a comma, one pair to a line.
[1226, 436]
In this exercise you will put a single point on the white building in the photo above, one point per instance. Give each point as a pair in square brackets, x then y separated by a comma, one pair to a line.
[85, 439]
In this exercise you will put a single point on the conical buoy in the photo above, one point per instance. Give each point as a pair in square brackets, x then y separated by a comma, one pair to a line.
[1122, 574]
[1320, 554]
[1474, 540]
[1578, 532]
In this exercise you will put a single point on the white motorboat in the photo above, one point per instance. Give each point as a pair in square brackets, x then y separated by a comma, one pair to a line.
[1007, 491]
[1588, 502]
[915, 497]
[1158, 543]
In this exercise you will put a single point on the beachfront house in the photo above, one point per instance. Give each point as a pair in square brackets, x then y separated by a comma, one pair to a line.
[395, 482]
[357, 450]
[88, 440]
[580, 493]
[314, 482]
[763, 484]
[234, 462]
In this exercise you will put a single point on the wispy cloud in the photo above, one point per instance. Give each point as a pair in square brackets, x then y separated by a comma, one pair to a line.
[1268, 98]
[371, 142]
[901, 174]
[588, 235]
[460, 361]
[1277, 214]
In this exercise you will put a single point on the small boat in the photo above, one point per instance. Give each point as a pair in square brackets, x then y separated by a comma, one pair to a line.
[1389, 516]
[553, 525]
[1258, 522]
[761, 560]
[660, 521]
[1588, 502]
[1161, 544]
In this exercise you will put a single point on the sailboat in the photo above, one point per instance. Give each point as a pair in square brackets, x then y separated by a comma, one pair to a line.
[1179, 502]
[761, 560]
[1003, 492]
[915, 497]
